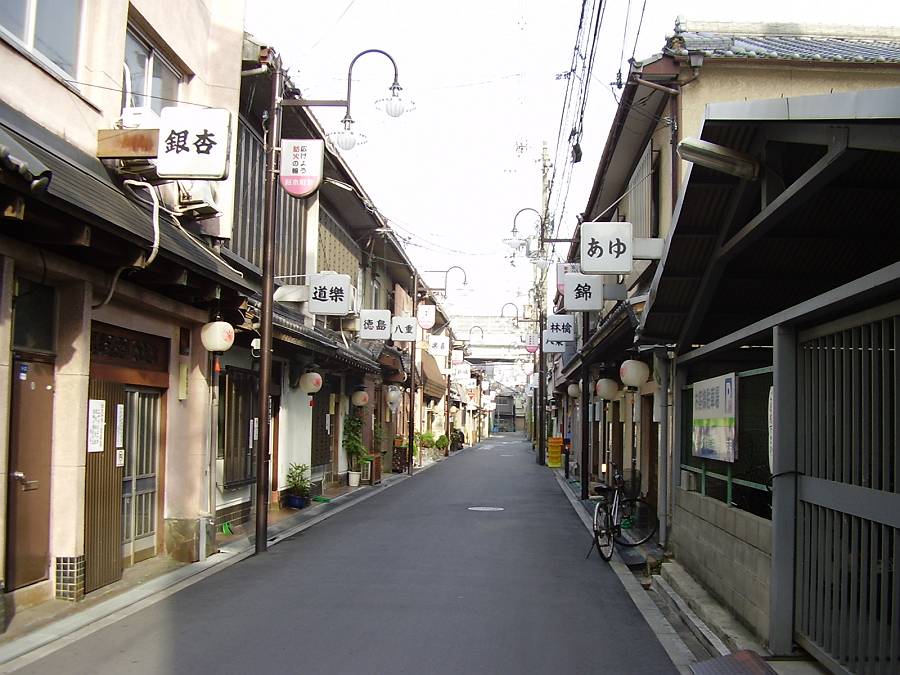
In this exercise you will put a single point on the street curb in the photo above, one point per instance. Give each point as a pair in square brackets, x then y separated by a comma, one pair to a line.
[54, 636]
[671, 642]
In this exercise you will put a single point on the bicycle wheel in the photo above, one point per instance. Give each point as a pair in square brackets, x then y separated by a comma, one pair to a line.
[638, 522]
[603, 531]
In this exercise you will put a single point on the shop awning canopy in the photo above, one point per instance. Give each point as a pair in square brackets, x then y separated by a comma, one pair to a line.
[435, 383]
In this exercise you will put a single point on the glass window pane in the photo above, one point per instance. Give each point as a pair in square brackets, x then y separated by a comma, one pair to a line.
[165, 85]
[12, 17]
[136, 57]
[56, 32]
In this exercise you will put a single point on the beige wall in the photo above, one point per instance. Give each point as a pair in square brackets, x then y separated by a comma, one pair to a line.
[203, 37]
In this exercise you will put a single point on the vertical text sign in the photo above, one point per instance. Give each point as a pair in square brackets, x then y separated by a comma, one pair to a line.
[302, 166]
[329, 294]
[606, 248]
[194, 143]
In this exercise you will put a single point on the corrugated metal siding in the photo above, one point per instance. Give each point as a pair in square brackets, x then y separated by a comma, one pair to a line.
[103, 498]
[639, 203]
[249, 200]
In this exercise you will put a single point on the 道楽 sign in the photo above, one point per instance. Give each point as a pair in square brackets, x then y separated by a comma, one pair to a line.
[329, 294]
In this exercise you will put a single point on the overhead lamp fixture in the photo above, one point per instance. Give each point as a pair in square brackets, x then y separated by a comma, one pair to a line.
[719, 158]
[395, 105]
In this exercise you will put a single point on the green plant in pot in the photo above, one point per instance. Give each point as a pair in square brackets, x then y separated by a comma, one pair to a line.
[297, 481]
[353, 446]
[443, 444]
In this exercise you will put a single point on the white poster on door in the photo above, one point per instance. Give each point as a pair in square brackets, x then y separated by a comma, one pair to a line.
[96, 424]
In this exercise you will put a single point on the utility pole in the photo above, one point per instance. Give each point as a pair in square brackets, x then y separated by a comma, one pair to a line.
[541, 298]
[412, 373]
[273, 143]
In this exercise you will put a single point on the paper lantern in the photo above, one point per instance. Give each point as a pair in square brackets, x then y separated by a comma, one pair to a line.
[217, 336]
[310, 383]
[360, 398]
[453, 410]
[634, 373]
[607, 389]
[574, 390]
[393, 395]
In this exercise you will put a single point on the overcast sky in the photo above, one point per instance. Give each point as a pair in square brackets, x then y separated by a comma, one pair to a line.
[451, 175]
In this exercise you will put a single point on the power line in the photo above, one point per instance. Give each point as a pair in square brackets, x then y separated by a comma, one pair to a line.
[638, 34]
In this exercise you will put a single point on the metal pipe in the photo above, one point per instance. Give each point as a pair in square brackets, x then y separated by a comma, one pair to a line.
[658, 87]
[585, 402]
[661, 366]
[268, 290]
[412, 376]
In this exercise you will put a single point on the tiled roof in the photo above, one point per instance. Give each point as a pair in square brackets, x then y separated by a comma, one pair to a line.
[795, 42]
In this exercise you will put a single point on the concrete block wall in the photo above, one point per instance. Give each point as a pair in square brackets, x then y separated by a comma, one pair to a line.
[727, 550]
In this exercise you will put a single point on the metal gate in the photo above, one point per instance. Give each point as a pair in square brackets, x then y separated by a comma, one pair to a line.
[847, 610]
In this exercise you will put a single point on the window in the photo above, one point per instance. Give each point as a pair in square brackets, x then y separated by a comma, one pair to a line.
[238, 425]
[148, 80]
[46, 27]
[34, 327]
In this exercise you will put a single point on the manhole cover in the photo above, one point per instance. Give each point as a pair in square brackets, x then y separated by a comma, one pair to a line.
[485, 508]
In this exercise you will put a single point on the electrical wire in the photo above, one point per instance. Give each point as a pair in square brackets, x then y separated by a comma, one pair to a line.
[638, 34]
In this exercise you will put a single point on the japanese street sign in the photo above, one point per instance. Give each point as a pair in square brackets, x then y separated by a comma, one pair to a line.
[714, 406]
[532, 343]
[562, 269]
[194, 143]
[552, 346]
[425, 314]
[404, 329]
[456, 356]
[375, 324]
[535, 381]
[438, 345]
[329, 294]
[560, 327]
[461, 372]
[302, 166]
[606, 248]
[471, 383]
[583, 292]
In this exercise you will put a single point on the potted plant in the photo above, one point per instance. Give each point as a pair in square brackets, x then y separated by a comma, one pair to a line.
[297, 493]
[398, 458]
[353, 446]
[443, 444]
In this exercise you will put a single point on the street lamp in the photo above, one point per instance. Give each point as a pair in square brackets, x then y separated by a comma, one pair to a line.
[346, 139]
[446, 273]
[273, 145]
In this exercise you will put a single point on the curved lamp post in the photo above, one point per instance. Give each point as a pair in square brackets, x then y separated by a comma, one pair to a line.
[394, 105]
[446, 274]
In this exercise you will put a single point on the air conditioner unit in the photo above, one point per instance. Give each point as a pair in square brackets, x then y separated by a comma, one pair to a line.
[191, 198]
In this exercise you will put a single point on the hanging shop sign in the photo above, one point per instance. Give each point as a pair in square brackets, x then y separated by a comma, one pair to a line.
[426, 316]
[438, 345]
[560, 327]
[562, 269]
[552, 345]
[403, 329]
[302, 166]
[457, 357]
[462, 372]
[606, 248]
[329, 294]
[583, 292]
[193, 143]
[375, 324]
[714, 417]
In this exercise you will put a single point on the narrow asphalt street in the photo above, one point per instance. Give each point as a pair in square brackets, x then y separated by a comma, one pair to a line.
[409, 581]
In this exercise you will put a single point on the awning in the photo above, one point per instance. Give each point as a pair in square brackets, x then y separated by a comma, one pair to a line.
[81, 186]
[435, 383]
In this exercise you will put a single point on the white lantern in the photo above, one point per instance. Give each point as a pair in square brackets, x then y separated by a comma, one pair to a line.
[634, 373]
[574, 390]
[607, 389]
[310, 383]
[360, 398]
[453, 410]
[217, 336]
[393, 395]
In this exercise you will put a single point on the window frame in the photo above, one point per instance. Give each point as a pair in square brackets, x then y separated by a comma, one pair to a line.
[233, 435]
[26, 43]
[153, 53]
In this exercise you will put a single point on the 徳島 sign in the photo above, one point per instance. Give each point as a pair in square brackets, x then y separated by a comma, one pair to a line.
[375, 324]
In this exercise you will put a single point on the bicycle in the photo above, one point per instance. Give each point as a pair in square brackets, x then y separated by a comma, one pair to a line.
[627, 521]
